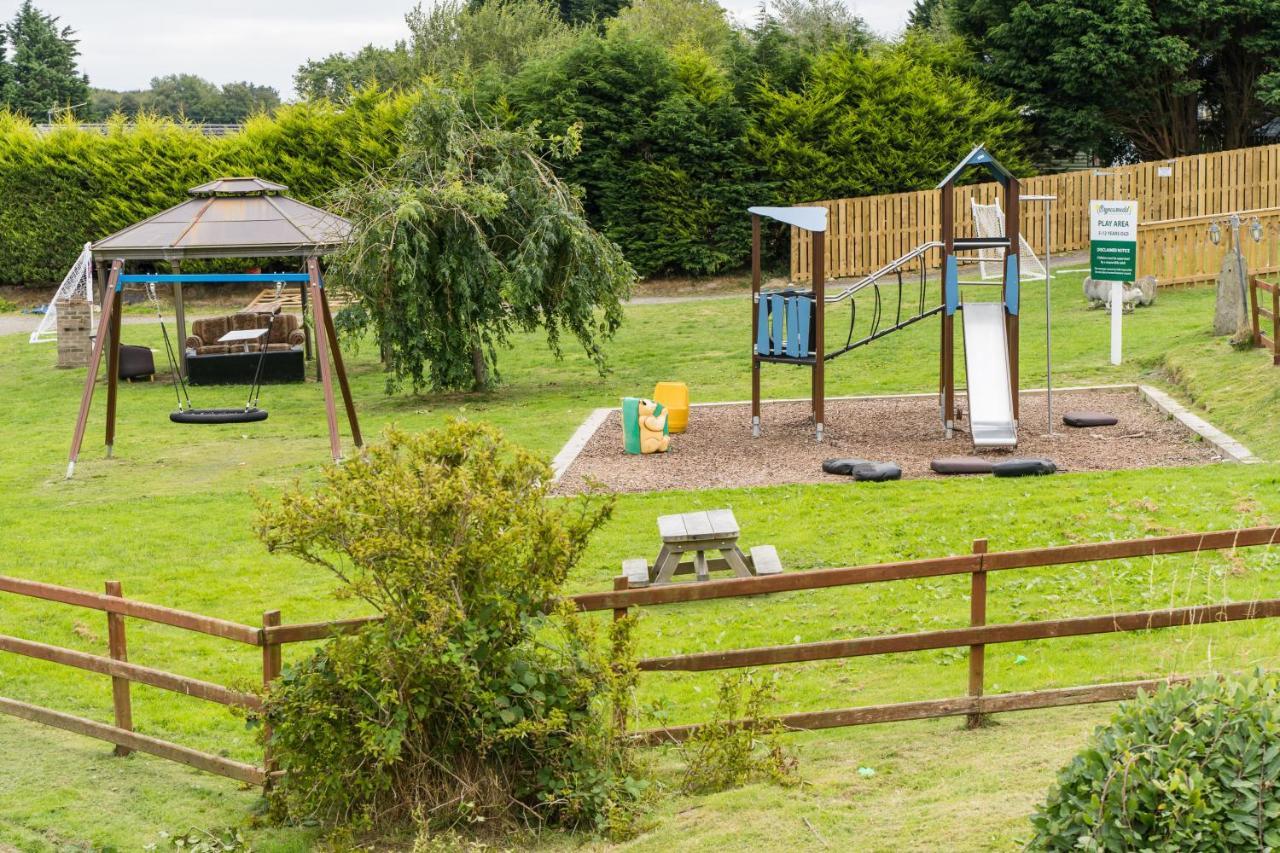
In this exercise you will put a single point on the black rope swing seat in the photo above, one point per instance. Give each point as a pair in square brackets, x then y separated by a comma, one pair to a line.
[187, 413]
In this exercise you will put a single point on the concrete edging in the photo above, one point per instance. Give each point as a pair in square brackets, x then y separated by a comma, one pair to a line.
[1230, 449]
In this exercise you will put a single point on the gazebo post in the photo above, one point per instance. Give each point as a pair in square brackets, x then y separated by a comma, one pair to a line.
[322, 356]
[180, 318]
[109, 301]
[113, 374]
[306, 328]
[332, 335]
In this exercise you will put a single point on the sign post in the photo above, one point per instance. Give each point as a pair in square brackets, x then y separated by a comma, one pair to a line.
[1113, 255]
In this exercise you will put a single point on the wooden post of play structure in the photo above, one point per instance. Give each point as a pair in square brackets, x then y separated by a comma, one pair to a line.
[947, 343]
[1012, 232]
[109, 301]
[322, 356]
[819, 326]
[755, 324]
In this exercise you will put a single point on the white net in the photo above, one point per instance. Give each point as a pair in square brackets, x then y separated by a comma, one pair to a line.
[988, 221]
[77, 284]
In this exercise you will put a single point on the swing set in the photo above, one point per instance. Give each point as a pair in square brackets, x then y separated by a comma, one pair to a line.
[225, 218]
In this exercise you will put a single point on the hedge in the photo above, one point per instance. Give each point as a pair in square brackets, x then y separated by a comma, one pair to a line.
[62, 189]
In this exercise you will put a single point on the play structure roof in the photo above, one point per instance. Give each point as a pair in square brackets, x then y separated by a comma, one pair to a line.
[230, 218]
[979, 156]
[808, 218]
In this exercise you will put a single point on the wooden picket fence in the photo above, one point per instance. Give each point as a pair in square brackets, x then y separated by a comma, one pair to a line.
[978, 565]
[271, 636]
[866, 233]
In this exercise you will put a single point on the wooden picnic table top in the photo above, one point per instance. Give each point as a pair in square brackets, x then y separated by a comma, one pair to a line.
[695, 526]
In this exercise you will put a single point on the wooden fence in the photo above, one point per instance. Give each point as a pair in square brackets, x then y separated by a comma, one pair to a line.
[1268, 336]
[866, 233]
[271, 636]
[976, 637]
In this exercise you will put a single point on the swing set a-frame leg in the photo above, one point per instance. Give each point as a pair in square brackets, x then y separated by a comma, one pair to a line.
[107, 320]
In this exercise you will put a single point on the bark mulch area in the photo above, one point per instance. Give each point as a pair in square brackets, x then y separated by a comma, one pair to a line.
[717, 450]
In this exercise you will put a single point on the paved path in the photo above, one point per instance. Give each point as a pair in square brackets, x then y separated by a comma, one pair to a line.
[12, 324]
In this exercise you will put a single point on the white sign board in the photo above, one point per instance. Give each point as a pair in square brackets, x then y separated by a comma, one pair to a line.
[1113, 255]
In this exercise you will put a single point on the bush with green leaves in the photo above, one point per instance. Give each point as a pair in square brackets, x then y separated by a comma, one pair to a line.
[467, 238]
[69, 186]
[741, 743]
[865, 124]
[479, 697]
[1192, 767]
[664, 159]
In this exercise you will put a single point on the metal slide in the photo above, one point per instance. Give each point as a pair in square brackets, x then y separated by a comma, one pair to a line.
[986, 364]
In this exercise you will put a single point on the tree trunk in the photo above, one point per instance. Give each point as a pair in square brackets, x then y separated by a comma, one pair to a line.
[479, 368]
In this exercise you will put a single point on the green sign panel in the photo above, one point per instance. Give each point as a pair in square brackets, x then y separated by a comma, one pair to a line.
[1113, 240]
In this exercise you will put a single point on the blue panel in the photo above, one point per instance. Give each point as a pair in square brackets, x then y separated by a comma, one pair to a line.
[951, 285]
[777, 307]
[214, 278]
[803, 344]
[762, 326]
[1011, 284]
[793, 326]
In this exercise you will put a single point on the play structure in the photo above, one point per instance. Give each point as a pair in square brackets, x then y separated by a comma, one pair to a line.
[789, 326]
[230, 217]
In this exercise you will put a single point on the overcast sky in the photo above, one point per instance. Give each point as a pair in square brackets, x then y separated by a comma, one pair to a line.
[124, 43]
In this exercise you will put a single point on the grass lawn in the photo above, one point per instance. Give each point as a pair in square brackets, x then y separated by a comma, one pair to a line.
[172, 518]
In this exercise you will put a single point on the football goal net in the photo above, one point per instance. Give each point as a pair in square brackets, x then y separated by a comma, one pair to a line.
[77, 285]
[988, 221]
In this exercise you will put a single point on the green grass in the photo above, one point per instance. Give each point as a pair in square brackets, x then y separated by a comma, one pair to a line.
[171, 516]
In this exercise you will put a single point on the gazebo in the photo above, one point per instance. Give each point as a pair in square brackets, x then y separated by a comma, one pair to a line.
[243, 217]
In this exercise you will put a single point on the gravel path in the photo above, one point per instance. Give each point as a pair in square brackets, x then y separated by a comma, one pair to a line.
[718, 451]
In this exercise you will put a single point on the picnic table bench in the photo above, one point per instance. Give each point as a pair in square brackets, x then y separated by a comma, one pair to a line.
[696, 533]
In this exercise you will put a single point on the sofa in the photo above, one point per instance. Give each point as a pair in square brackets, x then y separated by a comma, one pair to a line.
[213, 363]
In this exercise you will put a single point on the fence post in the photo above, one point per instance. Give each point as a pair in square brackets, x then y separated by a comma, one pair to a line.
[620, 584]
[270, 671]
[977, 618]
[119, 650]
[1275, 324]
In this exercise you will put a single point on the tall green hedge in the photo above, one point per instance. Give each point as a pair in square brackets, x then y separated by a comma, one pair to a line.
[62, 189]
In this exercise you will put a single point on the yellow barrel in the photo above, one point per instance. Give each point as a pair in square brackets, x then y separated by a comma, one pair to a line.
[674, 397]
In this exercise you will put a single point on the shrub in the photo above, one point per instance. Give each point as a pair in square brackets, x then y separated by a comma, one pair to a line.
[868, 124]
[740, 744]
[70, 186]
[664, 162]
[476, 698]
[1192, 767]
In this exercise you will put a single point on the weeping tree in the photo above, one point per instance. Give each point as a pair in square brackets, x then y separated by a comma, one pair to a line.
[467, 238]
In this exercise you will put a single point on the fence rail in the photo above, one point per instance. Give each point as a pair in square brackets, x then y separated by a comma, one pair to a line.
[977, 636]
[272, 636]
[865, 233]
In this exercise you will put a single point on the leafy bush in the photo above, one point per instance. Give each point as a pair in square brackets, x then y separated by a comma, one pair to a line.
[73, 186]
[868, 124]
[740, 744]
[664, 161]
[1192, 767]
[475, 699]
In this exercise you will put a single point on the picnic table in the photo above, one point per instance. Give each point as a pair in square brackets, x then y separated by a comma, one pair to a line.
[696, 533]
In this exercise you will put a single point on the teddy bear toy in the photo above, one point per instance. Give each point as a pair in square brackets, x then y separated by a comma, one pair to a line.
[644, 426]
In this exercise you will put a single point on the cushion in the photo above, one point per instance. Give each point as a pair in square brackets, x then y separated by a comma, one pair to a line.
[1023, 467]
[210, 329]
[841, 466]
[1086, 418]
[961, 465]
[876, 472]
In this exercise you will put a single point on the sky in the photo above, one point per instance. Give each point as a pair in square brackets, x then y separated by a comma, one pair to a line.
[124, 43]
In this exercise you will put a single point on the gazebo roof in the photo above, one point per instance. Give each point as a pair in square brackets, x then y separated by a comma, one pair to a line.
[230, 218]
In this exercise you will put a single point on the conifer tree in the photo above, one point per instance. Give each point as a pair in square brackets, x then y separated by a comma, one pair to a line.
[43, 75]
